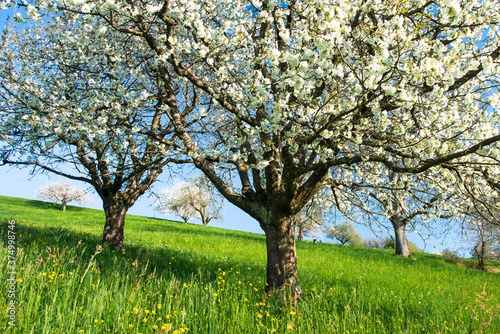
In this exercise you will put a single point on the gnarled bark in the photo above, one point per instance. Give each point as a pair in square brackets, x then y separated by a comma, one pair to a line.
[400, 240]
[281, 256]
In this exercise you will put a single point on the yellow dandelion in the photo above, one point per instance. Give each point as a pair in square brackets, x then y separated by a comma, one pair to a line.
[145, 320]
[146, 311]
[136, 310]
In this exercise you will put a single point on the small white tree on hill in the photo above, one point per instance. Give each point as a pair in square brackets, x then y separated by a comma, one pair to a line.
[344, 233]
[194, 199]
[63, 193]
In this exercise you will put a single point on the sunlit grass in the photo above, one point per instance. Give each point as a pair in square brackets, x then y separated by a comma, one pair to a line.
[179, 278]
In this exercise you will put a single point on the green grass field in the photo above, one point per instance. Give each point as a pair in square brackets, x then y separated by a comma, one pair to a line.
[183, 278]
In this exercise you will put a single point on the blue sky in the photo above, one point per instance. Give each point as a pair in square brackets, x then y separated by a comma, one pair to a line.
[18, 182]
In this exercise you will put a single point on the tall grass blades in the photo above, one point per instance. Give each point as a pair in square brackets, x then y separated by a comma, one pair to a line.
[181, 278]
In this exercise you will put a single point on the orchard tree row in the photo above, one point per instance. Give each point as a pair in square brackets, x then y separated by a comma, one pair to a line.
[391, 108]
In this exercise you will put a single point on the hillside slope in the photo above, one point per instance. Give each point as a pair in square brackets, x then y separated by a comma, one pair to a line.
[189, 278]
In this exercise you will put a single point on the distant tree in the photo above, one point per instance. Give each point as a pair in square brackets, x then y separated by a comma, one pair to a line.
[481, 207]
[484, 239]
[310, 219]
[451, 256]
[344, 233]
[194, 199]
[402, 200]
[373, 243]
[63, 193]
[172, 201]
[486, 242]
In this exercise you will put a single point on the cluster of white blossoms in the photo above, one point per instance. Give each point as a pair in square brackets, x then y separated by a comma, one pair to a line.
[77, 84]
[402, 82]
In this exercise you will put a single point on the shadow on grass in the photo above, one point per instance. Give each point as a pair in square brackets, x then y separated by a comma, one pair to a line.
[165, 261]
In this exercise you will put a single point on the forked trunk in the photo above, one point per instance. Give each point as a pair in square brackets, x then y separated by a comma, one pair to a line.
[400, 240]
[281, 258]
[113, 234]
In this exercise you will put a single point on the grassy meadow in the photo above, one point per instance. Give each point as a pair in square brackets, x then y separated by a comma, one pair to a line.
[183, 278]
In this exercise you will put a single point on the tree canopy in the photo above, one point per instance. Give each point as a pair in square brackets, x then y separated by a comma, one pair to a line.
[84, 102]
[297, 91]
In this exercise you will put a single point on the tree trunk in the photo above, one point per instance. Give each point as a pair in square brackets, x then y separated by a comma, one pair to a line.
[480, 256]
[480, 249]
[281, 257]
[63, 208]
[204, 220]
[400, 240]
[300, 233]
[115, 211]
